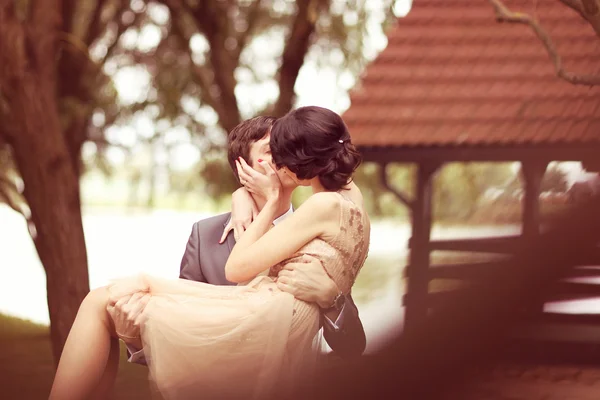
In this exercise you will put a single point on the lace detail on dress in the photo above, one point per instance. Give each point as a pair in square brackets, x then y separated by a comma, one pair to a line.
[345, 254]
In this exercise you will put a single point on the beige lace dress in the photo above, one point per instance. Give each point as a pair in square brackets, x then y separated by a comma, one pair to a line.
[207, 341]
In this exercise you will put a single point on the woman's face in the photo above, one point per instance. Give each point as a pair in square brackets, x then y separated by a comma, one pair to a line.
[299, 182]
[261, 150]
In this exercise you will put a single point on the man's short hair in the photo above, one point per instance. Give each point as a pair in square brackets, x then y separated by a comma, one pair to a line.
[242, 137]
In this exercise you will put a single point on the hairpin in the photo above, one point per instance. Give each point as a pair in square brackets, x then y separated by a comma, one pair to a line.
[341, 141]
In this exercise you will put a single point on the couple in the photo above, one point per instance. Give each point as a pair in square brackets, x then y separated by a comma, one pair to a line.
[254, 339]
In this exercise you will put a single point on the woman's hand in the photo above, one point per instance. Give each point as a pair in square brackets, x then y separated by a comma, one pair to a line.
[266, 185]
[243, 212]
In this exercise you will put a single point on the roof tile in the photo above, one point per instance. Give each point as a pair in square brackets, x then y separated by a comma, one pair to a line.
[452, 75]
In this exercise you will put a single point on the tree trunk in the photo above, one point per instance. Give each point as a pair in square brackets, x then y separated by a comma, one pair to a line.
[28, 61]
[52, 192]
[297, 46]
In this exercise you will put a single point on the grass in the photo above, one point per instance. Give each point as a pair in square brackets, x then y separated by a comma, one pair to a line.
[375, 276]
[27, 367]
[379, 272]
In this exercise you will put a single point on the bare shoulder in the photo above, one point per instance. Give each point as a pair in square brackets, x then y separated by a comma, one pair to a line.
[323, 205]
[355, 194]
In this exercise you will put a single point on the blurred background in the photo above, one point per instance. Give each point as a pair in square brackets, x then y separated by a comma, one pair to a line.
[112, 146]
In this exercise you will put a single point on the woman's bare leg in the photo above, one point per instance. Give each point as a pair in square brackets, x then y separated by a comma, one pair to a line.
[89, 361]
[104, 390]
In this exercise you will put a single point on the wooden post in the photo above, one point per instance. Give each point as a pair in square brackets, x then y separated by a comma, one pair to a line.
[402, 197]
[415, 300]
[532, 174]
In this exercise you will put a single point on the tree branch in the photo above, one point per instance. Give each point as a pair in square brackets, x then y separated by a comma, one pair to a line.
[102, 143]
[296, 48]
[224, 103]
[95, 27]
[252, 18]
[590, 7]
[42, 38]
[5, 136]
[182, 5]
[68, 11]
[5, 187]
[121, 28]
[7, 132]
[386, 184]
[211, 20]
[199, 73]
[504, 14]
[575, 5]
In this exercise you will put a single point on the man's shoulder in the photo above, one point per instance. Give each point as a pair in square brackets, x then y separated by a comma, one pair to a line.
[212, 222]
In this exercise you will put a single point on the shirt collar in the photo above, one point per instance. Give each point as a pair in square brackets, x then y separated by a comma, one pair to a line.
[283, 216]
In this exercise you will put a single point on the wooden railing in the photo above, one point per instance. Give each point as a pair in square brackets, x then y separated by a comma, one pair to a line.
[505, 246]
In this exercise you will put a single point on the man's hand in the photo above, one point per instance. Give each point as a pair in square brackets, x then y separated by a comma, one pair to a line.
[243, 212]
[307, 280]
[127, 315]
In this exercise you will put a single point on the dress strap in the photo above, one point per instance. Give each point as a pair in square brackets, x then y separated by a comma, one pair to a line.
[345, 197]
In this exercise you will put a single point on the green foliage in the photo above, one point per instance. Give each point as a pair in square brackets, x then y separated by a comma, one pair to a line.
[27, 367]
[217, 176]
[458, 188]
[555, 180]
[457, 191]
[367, 179]
[192, 64]
[300, 195]
[378, 200]
[197, 65]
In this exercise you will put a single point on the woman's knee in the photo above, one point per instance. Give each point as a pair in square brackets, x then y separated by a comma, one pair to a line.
[96, 299]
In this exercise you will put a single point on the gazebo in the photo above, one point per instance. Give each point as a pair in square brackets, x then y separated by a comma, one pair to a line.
[455, 85]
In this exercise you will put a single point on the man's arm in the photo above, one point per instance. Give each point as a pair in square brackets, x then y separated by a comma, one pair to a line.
[306, 279]
[346, 335]
[190, 263]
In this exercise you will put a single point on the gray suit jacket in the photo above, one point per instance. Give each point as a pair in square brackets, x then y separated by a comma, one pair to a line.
[204, 261]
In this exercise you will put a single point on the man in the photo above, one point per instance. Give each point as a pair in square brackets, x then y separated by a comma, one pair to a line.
[205, 257]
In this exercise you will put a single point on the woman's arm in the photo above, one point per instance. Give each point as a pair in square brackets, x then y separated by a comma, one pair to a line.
[260, 248]
[243, 212]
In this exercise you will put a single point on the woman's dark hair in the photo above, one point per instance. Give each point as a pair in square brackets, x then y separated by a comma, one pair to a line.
[314, 141]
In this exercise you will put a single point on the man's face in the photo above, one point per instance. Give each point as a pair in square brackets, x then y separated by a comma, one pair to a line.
[261, 150]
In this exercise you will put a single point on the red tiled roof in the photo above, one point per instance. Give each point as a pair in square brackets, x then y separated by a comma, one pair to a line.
[453, 76]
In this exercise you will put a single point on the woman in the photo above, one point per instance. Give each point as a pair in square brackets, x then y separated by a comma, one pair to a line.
[251, 339]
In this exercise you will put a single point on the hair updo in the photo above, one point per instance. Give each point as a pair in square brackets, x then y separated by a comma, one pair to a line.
[315, 142]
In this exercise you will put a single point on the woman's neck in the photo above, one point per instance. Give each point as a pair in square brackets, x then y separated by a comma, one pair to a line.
[316, 185]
